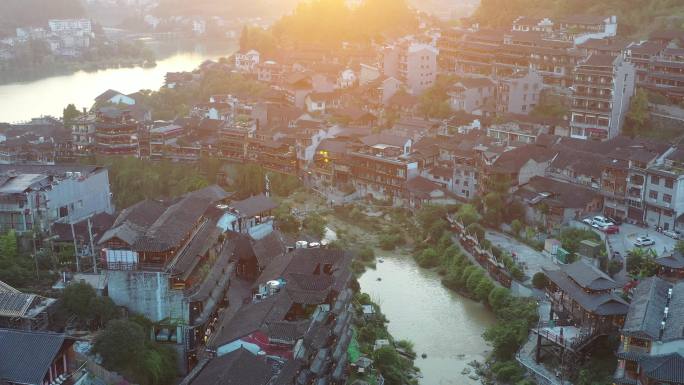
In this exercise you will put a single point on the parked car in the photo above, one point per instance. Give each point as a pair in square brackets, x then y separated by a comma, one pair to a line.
[600, 222]
[674, 234]
[643, 242]
[611, 229]
[588, 221]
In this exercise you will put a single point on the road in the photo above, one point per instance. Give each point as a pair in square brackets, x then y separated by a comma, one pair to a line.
[624, 241]
[533, 260]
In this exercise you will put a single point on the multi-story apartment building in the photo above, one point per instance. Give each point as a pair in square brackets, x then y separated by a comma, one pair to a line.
[83, 134]
[415, 64]
[35, 197]
[519, 93]
[382, 166]
[472, 95]
[664, 191]
[603, 87]
[651, 342]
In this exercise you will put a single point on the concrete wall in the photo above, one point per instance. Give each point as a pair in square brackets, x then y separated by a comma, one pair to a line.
[623, 90]
[147, 293]
[83, 197]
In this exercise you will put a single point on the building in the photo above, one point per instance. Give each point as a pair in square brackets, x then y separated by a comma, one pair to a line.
[250, 216]
[38, 196]
[23, 311]
[519, 93]
[35, 358]
[414, 64]
[83, 134]
[472, 95]
[381, 167]
[116, 133]
[247, 61]
[664, 191]
[602, 90]
[300, 311]
[651, 340]
[114, 97]
[580, 28]
[171, 262]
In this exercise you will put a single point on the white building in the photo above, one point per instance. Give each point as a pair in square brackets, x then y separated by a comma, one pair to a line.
[415, 64]
[247, 61]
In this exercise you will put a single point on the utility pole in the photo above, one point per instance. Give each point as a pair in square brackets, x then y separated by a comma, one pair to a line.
[92, 248]
[35, 255]
[73, 235]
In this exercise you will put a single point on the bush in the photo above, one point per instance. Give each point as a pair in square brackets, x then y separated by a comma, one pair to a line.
[429, 258]
[507, 371]
[366, 254]
[314, 224]
[474, 280]
[477, 230]
[539, 280]
[484, 288]
[390, 241]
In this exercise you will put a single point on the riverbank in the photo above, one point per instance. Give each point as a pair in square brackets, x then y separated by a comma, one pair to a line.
[22, 74]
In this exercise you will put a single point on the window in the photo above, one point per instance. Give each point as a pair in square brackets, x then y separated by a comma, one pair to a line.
[669, 182]
[667, 198]
[653, 194]
[655, 180]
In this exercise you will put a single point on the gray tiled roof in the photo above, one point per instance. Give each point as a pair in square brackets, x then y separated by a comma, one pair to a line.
[254, 205]
[25, 357]
[668, 368]
[646, 309]
[236, 368]
[589, 277]
[602, 304]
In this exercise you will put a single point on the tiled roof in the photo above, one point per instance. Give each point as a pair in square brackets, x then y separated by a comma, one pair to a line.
[674, 260]
[239, 367]
[25, 357]
[646, 310]
[589, 277]
[666, 368]
[254, 205]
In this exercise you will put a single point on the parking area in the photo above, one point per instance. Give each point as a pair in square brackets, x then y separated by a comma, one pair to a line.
[624, 241]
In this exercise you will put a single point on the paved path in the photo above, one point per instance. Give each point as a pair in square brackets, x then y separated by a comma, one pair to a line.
[532, 259]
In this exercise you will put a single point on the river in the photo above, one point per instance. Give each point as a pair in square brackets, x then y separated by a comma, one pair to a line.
[23, 101]
[442, 324]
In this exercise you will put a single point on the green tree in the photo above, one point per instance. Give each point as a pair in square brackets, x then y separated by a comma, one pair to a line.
[104, 310]
[516, 227]
[8, 245]
[484, 288]
[121, 345]
[78, 298]
[468, 214]
[477, 230]
[69, 114]
[638, 116]
[474, 280]
[499, 297]
[539, 280]
[506, 337]
[314, 224]
[429, 258]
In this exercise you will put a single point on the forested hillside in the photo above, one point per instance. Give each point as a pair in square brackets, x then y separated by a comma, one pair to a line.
[17, 13]
[635, 17]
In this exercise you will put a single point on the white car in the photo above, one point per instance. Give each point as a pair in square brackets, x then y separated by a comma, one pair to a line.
[643, 242]
[674, 234]
[600, 222]
[588, 221]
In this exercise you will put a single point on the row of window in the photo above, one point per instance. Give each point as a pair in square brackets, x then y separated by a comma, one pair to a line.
[669, 182]
[667, 198]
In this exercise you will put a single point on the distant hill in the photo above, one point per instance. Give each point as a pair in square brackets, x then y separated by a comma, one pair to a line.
[17, 13]
[267, 9]
[635, 17]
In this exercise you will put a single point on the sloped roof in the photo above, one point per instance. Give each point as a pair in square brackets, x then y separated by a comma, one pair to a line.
[667, 368]
[25, 357]
[254, 205]
[110, 93]
[589, 277]
[646, 310]
[511, 161]
[674, 260]
[269, 247]
[239, 367]
[384, 138]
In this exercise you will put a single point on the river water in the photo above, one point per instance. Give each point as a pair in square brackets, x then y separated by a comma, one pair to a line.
[23, 101]
[442, 324]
